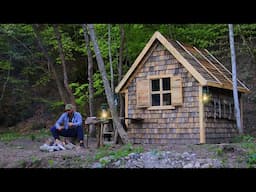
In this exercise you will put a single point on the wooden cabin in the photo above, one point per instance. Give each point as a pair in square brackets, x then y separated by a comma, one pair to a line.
[167, 88]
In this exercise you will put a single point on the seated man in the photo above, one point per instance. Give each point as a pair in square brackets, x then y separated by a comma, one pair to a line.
[69, 124]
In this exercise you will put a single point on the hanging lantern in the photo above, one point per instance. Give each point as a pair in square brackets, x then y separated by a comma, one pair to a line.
[104, 111]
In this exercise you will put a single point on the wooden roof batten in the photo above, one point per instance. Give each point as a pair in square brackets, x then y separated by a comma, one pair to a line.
[184, 48]
[244, 86]
[212, 64]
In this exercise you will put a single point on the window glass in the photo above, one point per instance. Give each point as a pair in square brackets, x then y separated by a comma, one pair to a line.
[155, 99]
[155, 85]
[166, 84]
[166, 99]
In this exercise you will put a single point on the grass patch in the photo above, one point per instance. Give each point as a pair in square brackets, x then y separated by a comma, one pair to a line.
[9, 136]
[248, 143]
[51, 163]
[243, 139]
[117, 154]
[219, 151]
[12, 135]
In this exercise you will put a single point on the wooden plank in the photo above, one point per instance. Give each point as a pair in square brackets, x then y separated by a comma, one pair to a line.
[176, 89]
[201, 116]
[161, 107]
[159, 76]
[224, 86]
[241, 113]
[142, 93]
[126, 106]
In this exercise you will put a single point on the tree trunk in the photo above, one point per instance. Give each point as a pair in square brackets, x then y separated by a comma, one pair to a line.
[110, 99]
[71, 98]
[120, 68]
[234, 79]
[50, 63]
[92, 130]
[110, 58]
[7, 78]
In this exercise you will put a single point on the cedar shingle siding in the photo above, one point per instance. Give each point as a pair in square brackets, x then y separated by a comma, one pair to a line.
[179, 125]
[164, 87]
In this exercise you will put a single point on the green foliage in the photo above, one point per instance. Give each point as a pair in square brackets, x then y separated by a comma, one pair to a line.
[43, 80]
[81, 93]
[5, 65]
[9, 136]
[122, 152]
[31, 83]
[199, 35]
[35, 161]
[251, 160]
[136, 38]
[51, 162]
[248, 143]
[245, 29]
[12, 135]
[33, 137]
[243, 139]
[98, 84]
[219, 151]
[57, 104]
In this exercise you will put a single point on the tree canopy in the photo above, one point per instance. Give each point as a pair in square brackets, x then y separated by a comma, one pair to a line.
[28, 85]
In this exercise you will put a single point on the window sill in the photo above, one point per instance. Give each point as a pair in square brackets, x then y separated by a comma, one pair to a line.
[161, 107]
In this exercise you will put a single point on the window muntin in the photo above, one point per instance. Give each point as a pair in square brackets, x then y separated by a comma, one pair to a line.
[161, 92]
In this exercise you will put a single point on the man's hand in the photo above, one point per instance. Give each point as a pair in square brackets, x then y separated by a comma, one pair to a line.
[70, 124]
[60, 128]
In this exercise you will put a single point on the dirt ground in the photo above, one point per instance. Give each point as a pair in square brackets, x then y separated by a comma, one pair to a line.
[25, 153]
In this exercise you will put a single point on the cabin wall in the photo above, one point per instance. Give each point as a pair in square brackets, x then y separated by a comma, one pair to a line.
[169, 126]
[220, 122]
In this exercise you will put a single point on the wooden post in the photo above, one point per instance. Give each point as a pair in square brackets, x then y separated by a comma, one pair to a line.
[201, 115]
[242, 111]
[100, 131]
[126, 107]
[87, 135]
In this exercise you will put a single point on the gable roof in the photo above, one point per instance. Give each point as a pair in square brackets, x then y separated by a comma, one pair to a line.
[204, 67]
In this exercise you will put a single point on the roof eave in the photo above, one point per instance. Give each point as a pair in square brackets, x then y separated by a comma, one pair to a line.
[218, 85]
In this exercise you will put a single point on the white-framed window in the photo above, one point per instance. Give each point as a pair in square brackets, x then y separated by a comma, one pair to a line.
[159, 92]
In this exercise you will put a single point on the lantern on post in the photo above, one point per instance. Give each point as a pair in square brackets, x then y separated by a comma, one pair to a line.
[104, 111]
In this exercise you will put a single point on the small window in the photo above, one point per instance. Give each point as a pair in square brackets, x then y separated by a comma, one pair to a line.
[161, 92]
